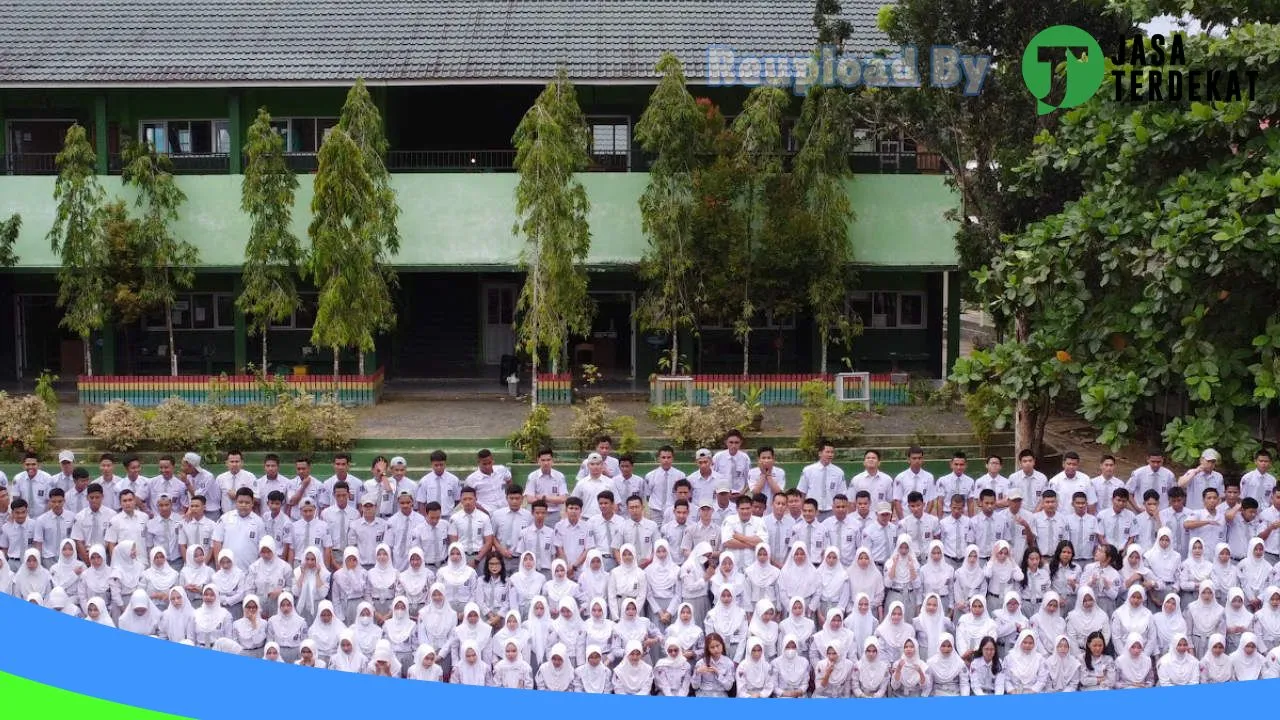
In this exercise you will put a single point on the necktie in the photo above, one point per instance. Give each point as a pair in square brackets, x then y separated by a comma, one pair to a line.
[775, 540]
[635, 536]
[808, 537]
[22, 539]
[608, 534]
[306, 535]
[166, 534]
[342, 528]
[470, 527]
[403, 546]
[840, 535]
[93, 534]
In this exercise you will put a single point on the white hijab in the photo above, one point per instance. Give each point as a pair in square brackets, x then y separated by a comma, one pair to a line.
[946, 666]
[1023, 665]
[1179, 667]
[662, 574]
[145, 624]
[326, 634]
[210, 616]
[798, 579]
[454, 573]
[1133, 667]
[1248, 665]
[760, 571]
[1133, 620]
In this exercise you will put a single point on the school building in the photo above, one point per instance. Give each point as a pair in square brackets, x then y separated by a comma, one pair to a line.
[452, 78]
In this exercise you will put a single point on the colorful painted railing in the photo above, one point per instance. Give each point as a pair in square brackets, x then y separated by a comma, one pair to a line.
[151, 390]
[555, 389]
[777, 389]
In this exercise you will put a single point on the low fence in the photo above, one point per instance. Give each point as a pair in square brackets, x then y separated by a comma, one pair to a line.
[151, 390]
[555, 389]
[781, 389]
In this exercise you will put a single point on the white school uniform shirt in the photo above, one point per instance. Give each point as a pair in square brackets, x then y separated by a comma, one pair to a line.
[779, 476]
[999, 485]
[952, 484]
[1117, 527]
[207, 485]
[199, 532]
[91, 528]
[140, 486]
[401, 531]
[704, 487]
[77, 500]
[165, 533]
[778, 532]
[1104, 487]
[658, 487]
[1240, 531]
[324, 495]
[1032, 486]
[1268, 515]
[53, 530]
[607, 534]
[123, 526]
[754, 526]
[986, 530]
[610, 468]
[229, 483]
[491, 489]
[625, 487]
[587, 490]
[1210, 534]
[822, 483]
[471, 529]
[63, 480]
[813, 535]
[1082, 530]
[642, 533]
[434, 541]
[1067, 487]
[1049, 530]
[908, 482]
[171, 486]
[18, 537]
[844, 535]
[1144, 479]
[264, 486]
[1199, 483]
[550, 483]
[923, 530]
[339, 520]
[1181, 535]
[573, 539]
[444, 488]
[734, 466]
[1258, 486]
[34, 489]
[303, 535]
[508, 525]
[541, 541]
[1017, 539]
[240, 535]
[956, 533]
[366, 536]
[279, 528]
[880, 486]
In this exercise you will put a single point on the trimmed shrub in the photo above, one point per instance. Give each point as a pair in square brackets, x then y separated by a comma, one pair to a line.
[119, 425]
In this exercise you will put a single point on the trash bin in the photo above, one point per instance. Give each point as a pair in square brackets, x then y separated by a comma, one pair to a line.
[506, 368]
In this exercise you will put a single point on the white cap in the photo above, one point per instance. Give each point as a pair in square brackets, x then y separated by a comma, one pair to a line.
[705, 504]
[883, 508]
[1210, 454]
[192, 459]
[397, 460]
[66, 456]
[702, 453]
[723, 487]
[594, 457]
[1015, 494]
[369, 499]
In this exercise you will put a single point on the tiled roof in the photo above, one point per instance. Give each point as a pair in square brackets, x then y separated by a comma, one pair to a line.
[224, 42]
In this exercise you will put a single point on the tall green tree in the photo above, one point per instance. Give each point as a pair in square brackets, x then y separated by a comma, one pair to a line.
[77, 236]
[1157, 280]
[353, 232]
[670, 129]
[8, 237]
[167, 261]
[551, 208]
[270, 292]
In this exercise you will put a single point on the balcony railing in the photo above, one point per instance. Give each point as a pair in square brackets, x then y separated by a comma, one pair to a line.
[893, 161]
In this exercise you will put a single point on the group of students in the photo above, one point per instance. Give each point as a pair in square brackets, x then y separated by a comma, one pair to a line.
[720, 582]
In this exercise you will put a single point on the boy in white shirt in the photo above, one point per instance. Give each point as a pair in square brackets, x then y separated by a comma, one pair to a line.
[732, 462]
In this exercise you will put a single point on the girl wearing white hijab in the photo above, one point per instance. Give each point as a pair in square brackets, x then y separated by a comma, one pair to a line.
[1224, 574]
[1133, 665]
[326, 630]
[494, 650]
[1049, 622]
[195, 574]
[894, 631]
[158, 578]
[556, 673]
[436, 621]
[415, 580]
[287, 628]
[833, 675]
[1236, 618]
[1216, 666]
[59, 601]
[634, 626]
[526, 582]
[97, 580]
[1024, 667]
[512, 671]
[861, 622]
[559, 586]
[799, 578]
[1133, 617]
[1248, 661]
[594, 675]
[592, 580]
[1170, 621]
[761, 576]
[541, 635]
[399, 631]
[1099, 668]
[755, 676]
[459, 579]
[1195, 569]
[1179, 666]
[937, 577]
[1086, 619]
[211, 620]
[250, 631]
[472, 629]
[931, 624]
[1062, 667]
[1254, 574]
[128, 571]
[348, 659]
[791, 670]
[383, 662]
[633, 676]
[140, 617]
[910, 677]
[470, 668]
[834, 581]
[625, 581]
[764, 625]
[671, 674]
[902, 576]
[948, 675]
[871, 674]
[834, 633]
[307, 656]
[382, 581]
[1164, 563]
[271, 653]
[67, 569]
[973, 626]
[268, 576]
[367, 631]
[310, 584]
[1010, 621]
[686, 633]
[95, 611]
[31, 578]
[1204, 618]
[729, 621]
[969, 581]
[865, 577]
[661, 578]
[726, 575]
[1134, 570]
[797, 622]
[424, 666]
[350, 585]
[569, 629]
[230, 583]
[1266, 622]
[227, 645]
[598, 628]
[1001, 571]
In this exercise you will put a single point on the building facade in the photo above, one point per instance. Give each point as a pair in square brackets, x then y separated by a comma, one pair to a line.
[452, 80]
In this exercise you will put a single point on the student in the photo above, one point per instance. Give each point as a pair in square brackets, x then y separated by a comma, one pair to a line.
[158, 578]
[1247, 663]
[1029, 482]
[350, 585]
[287, 628]
[937, 576]
[508, 524]
[526, 582]
[268, 576]
[729, 621]
[229, 581]
[1098, 672]
[1103, 577]
[381, 582]
[872, 673]
[627, 580]
[1236, 619]
[660, 485]
[671, 674]
[512, 671]
[834, 583]
[910, 677]
[1062, 668]
[96, 612]
[766, 478]
[1196, 568]
[956, 482]
[1087, 619]
[1266, 621]
[310, 583]
[493, 592]
[250, 631]
[348, 658]
[424, 665]
[1024, 669]
[833, 675]
[823, 480]
[834, 632]
[970, 580]
[1049, 623]
[439, 486]
[894, 632]
[594, 676]
[662, 578]
[1035, 580]
[974, 627]
[177, 622]
[211, 620]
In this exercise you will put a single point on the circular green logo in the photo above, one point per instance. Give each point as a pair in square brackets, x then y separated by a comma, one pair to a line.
[1084, 70]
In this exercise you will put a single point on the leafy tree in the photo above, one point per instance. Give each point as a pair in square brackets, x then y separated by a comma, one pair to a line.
[353, 231]
[551, 146]
[670, 129]
[167, 262]
[8, 237]
[77, 235]
[272, 253]
[1158, 279]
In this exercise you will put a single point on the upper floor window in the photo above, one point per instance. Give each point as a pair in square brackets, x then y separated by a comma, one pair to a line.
[188, 137]
[303, 135]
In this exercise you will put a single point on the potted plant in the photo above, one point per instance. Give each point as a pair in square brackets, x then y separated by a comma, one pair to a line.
[753, 399]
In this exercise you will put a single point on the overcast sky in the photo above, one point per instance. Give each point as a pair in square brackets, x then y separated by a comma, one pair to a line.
[1165, 24]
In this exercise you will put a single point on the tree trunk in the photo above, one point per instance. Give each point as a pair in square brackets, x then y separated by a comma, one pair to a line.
[336, 350]
[675, 348]
[173, 351]
[88, 356]
[1024, 418]
[265, 372]
[1042, 419]
[822, 363]
[360, 363]
[746, 353]
[533, 379]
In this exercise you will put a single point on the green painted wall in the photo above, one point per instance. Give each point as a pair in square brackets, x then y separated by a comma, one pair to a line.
[465, 220]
